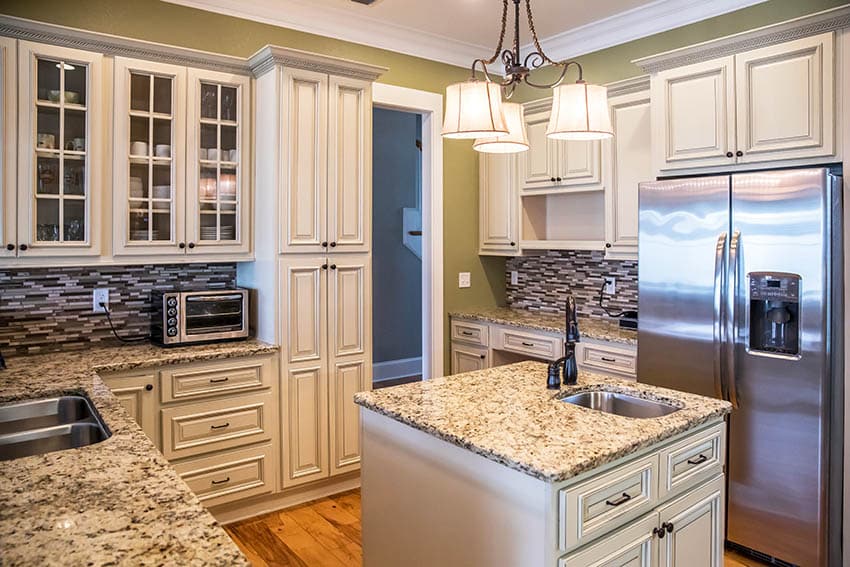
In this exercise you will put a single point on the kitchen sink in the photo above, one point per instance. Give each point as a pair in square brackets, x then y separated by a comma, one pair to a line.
[620, 404]
[42, 426]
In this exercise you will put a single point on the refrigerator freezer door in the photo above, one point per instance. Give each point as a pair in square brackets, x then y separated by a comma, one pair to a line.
[777, 450]
[683, 241]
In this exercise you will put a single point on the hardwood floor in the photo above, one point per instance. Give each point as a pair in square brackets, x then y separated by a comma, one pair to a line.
[326, 532]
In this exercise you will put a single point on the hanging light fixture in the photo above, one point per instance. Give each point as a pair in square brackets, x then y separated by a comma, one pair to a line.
[512, 142]
[474, 108]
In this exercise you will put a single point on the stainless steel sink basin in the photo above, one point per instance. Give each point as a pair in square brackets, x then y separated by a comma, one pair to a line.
[42, 426]
[620, 404]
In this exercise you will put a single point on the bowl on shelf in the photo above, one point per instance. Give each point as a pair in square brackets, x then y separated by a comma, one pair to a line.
[72, 97]
[53, 95]
[139, 149]
[162, 191]
[137, 188]
[162, 150]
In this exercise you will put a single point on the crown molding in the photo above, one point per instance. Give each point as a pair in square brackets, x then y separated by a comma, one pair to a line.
[29, 30]
[813, 24]
[628, 86]
[266, 58]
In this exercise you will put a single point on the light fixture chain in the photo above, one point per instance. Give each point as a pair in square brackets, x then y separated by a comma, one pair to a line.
[498, 52]
[534, 38]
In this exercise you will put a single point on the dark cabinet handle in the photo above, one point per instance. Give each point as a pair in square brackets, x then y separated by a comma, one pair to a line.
[333, 244]
[181, 246]
[324, 244]
[607, 245]
[667, 526]
[658, 532]
[191, 245]
[333, 266]
[527, 344]
[729, 154]
[513, 243]
[10, 247]
[606, 359]
[621, 500]
[483, 356]
[552, 179]
[219, 380]
[467, 333]
[220, 481]
[558, 179]
[220, 426]
[23, 247]
[324, 266]
[698, 461]
[149, 387]
[739, 153]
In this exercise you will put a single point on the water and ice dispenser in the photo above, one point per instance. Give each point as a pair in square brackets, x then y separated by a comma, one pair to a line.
[775, 313]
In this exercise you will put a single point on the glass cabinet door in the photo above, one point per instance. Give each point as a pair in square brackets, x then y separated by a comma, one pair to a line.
[60, 151]
[217, 204]
[8, 146]
[148, 158]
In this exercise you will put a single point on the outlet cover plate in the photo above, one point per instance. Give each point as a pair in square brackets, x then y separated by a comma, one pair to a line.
[464, 279]
[610, 285]
[100, 295]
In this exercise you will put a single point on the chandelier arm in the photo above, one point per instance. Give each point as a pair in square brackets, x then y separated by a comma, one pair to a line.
[508, 88]
[564, 64]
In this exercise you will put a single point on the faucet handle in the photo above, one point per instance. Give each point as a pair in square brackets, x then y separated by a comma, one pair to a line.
[553, 382]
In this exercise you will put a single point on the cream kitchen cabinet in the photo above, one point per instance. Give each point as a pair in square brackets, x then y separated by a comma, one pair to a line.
[498, 203]
[137, 392]
[468, 358]
[8, 149]
[326, 200]
[325, 303]
[724, 112]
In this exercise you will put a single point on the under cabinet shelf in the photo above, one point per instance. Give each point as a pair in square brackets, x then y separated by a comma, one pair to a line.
[562, 244]
[563, 221]
[561, 190]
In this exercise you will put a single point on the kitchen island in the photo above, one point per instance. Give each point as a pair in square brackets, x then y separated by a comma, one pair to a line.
[491, 468]
[114, 502]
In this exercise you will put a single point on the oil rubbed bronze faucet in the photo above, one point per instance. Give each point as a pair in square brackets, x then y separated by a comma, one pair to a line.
[568, 362]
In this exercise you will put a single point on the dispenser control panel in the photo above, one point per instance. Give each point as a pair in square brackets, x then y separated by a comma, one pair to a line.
[774, 313]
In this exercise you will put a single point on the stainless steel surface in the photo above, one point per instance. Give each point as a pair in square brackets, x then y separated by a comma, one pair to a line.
[172, 323]
[36, 427]
[779, 491]
[620, 404]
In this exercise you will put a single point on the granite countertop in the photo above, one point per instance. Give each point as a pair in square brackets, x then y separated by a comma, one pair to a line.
[507, 415]
[115, 502]
[590, 327]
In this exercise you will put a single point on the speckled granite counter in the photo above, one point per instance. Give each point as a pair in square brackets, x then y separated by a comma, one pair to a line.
[115, 502]
[590, 327]
[507, 415]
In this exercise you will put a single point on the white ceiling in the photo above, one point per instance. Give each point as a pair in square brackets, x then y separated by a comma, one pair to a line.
[457, 31]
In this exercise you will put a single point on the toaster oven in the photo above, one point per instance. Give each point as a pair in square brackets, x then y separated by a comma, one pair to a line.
[186, 317]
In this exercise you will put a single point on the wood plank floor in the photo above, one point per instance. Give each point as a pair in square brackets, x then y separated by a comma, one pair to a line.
[326, 532]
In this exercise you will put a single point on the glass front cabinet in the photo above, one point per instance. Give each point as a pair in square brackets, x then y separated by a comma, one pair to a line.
[8, 149]
[60, 157]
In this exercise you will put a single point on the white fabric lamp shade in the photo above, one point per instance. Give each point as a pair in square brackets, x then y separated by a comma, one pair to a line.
[515, 140]
[580, 112]
[473, 110]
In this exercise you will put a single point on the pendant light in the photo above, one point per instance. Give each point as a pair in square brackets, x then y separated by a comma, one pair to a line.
[580, 112]
[473, 110]
[514, 141]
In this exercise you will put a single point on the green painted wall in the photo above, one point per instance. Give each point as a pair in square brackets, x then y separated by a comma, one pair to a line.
[176, 25]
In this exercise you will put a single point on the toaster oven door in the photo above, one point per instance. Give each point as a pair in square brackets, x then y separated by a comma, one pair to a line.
[216, 316]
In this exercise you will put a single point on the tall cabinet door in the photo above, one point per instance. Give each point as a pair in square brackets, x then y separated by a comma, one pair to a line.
[498, 204]
[350, 361]
[303, 193]
[349, 165]
[540, 162]
[218, 200]
[60, 151]
[303, 315]
[148, 157]
[794, 81]
[8, 149]
[693, 115]
[694, 526]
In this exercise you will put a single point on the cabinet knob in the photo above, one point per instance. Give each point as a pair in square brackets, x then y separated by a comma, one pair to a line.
[324, 244]
[23, 246]
[658, 532]
[513, 243]
[729, 154]
[181, 245]
[558, 179]
[324, 266]
[10, 247]
[552, 179]
[333, 244]
[191, 245]
[739, 153]
[483, 356]
[149, 387]
[333, 266]
[668, 526]
[607, 245]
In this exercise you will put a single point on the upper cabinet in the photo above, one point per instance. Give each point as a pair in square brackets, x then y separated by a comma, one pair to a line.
[60, 151]
[498, 224]
[8, 150]
[769, 104]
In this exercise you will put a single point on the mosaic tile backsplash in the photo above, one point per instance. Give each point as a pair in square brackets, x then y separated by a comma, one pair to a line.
[545, 280]
[50, 309]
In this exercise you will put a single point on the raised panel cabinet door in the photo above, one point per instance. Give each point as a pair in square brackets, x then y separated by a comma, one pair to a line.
[304, 308]
[137, 394]
[785, 100]
[693, 115]
[349, 165]
[468, 359]
[694, 526]
[303, 191]
[498, 205]
[60, 152]
[630, 163]
[348, 376]
[579, 164]
[8, 149]
[305, 451]
[148, 151]
[631, 546]
[349, 305]
[540, 162]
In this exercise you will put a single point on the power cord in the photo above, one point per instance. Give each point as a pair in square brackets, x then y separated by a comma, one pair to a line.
[114, 332]
[605, 309]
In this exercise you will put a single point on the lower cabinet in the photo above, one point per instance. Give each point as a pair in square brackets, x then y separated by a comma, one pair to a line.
[467, 358]
[137, 393]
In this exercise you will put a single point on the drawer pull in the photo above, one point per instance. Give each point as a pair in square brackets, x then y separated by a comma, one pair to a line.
[606, 359]
[658, 532]
[698, 461]
[467, 333]
[219, 380]
[527, 344]
[220, 481]
[621, 500]
[220, 426]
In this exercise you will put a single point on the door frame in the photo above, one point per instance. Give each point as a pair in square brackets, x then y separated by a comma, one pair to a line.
[430, 106]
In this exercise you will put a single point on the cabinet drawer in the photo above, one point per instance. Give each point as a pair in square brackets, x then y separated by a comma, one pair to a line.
[230, 476]
[596, 506]
[469, 332]
[198, 428]
[195, 382]
[545, 347]
[689, 462]
[631, 545]
[608, 359]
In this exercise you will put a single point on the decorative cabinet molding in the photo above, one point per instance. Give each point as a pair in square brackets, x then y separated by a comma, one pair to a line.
[8, 149]
[498, 203]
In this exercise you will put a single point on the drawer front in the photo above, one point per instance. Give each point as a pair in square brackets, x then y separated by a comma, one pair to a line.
[632, 546]
[230, 476]
[594, 507]
[690, 462]
[535, 345]
[198, 428]
[469, 332]
[608, 359]
[207, 380]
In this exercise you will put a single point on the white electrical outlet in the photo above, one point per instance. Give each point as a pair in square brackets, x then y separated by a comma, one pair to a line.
[610, 285]
[100, 295]
[464, 279]
[514, 277]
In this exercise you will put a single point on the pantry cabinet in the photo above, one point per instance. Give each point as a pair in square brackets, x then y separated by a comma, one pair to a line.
[8, 149]
[498, 202]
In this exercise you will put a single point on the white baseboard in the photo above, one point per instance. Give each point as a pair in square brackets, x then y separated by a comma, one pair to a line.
[391, 369]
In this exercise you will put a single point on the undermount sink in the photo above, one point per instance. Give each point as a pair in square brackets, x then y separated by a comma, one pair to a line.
[620, 404]
[43, 426]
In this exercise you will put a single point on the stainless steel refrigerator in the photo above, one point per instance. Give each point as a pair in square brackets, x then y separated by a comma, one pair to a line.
[740, 298]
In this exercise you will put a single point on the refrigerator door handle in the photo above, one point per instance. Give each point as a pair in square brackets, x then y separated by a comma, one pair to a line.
[717, 320]
[731, 317]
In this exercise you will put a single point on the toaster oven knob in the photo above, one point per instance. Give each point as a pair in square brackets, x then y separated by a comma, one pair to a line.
[172, 322]
[172, 312]
[172, 331]
[172, 302]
